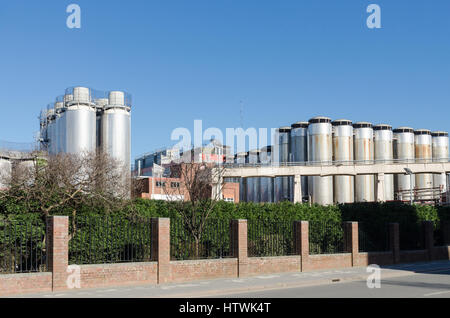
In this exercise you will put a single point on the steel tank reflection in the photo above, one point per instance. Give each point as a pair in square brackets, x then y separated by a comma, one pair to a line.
[404, 152]
[320, 151]
[299, 154]
[364, 154]
[343, 154]
[440, 154]
[423, 154]
[384, 153]
[282, 189]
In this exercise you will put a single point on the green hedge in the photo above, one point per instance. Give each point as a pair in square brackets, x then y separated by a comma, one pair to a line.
[111, 243]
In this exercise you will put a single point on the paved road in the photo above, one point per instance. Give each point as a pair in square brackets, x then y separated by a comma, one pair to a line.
[406, 280]
[430, 285]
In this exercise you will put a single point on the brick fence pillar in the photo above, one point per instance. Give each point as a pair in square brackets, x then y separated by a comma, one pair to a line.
[58, 250]
[351, 240]
[428, 238]
[239, 245]
[301, 242]
[161, 247]
[394, 241]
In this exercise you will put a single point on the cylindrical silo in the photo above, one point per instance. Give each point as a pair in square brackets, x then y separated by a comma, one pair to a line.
[384, 153]
[320, 152]
[266, 183]
[282, 191]
[364, 154]
[344, 186]
[80, 116]
[253, 184]
[440, 154]
[423, 154]
[116, 128]
[299, 153]
[404, 152]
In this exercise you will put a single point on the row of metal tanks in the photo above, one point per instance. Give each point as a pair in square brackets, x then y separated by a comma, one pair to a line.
[325, 142]
[84, 120]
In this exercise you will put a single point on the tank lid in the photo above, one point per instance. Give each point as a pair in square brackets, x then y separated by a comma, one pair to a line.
[382, 127]
[422, 132]
[439, 134]
[284, 129]
[319, 119]
[404, 130]
[341, 122]
[362, 124]
[300, 124]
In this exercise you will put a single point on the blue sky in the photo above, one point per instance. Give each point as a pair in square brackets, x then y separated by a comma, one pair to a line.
[183, 60]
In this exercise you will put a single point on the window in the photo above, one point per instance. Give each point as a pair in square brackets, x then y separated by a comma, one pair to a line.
[228, 199]
[160, 184]
[174, 184]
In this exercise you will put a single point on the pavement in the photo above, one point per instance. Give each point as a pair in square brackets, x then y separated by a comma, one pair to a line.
[431, 279]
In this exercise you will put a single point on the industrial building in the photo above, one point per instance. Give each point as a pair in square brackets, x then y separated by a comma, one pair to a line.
[84, 120]
[321, 142]
[159, 182]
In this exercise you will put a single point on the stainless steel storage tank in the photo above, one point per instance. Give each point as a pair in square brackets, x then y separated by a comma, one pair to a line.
[344, 186]
[116, 128]
[440, 154]
[253, 184]
[384, 153]
[282, 191]
[79, 123]
[299, 154]
[266, 183]
[320, 151]
[404, 152]
[364, 154]
[423, 154]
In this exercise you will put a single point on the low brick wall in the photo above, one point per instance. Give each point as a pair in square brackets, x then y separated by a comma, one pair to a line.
[327, 261]
[413, 256]
[270, 265]
[441, 252]
[185, 271]
[163, 270]
[379, 258]
[109, 275]
[12, 284]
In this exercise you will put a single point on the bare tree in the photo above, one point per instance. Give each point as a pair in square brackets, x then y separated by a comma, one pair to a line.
[201, 186]
[66, 181]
